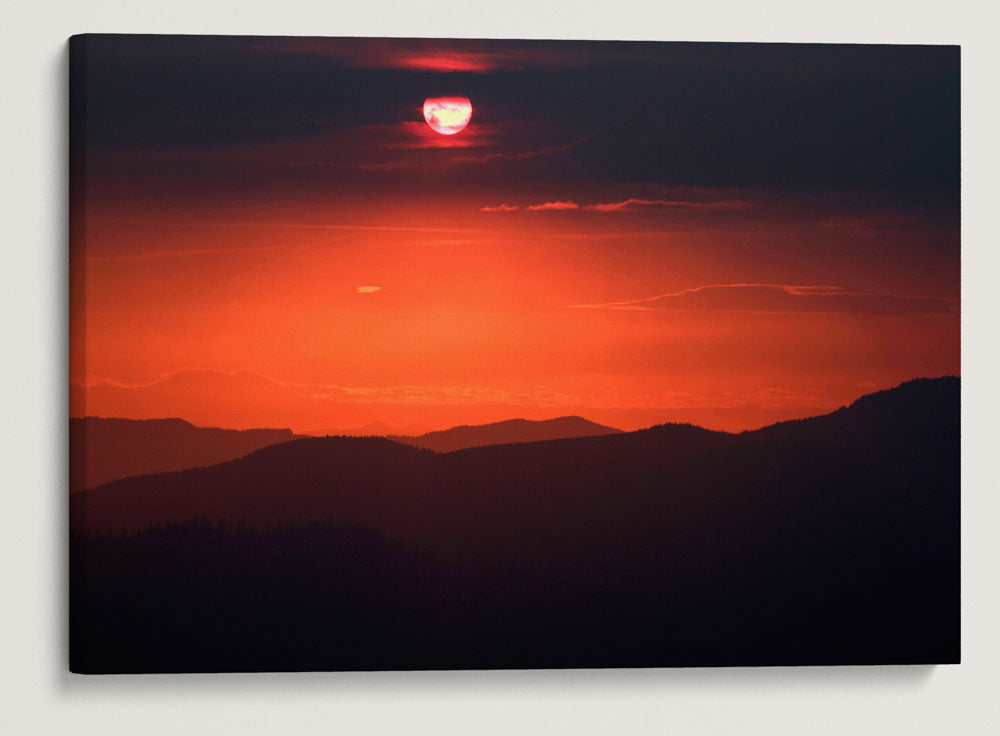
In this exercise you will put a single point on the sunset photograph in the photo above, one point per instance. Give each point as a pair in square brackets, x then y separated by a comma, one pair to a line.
[431, 354]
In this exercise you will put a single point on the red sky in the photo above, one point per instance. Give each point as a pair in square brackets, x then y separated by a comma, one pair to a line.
[221, 279]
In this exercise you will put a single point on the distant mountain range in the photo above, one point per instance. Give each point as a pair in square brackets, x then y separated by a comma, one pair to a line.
[102, 450]
[502, 433]
[396, 487]
[833, 539]
[107, 449]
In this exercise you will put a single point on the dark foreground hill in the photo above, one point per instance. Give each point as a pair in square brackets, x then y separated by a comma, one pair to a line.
[827, 540]
[104, 449]
[507, 432]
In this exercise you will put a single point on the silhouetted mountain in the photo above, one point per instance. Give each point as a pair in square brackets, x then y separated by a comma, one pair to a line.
[833, 539]
[502, 433]
[102, 450]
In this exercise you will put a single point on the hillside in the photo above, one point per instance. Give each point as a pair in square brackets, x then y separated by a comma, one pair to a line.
[506, 432]
[418, 495]
[833, 539]
[105, 449]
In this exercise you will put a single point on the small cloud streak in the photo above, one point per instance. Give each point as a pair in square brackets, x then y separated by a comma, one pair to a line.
[189, 380]
[559, 205]
[522, 156]
[776, 298]
[414, 135]
[207, 384]
[630, 204]
[869, 225]
[422, 138]
[369, 289]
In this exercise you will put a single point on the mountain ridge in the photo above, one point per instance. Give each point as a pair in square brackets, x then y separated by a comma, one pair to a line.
[830, 540]
[507, 431]
[416, 493]
[104, 449]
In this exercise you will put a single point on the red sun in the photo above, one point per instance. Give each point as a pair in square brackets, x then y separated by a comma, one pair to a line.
[447, 115]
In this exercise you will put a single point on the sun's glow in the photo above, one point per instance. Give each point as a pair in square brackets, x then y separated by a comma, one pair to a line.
[369, 289]
[447, 115]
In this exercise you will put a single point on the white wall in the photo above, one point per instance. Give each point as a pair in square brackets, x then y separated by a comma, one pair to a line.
[36, 693]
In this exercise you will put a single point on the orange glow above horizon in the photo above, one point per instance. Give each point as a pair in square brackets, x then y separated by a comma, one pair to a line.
[443, 315]
[447, 115]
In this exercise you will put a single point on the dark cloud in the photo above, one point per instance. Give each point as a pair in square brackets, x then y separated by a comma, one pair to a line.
[439, 55]
[781, 116]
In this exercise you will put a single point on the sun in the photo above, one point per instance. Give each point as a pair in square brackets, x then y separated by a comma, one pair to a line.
[447, 115]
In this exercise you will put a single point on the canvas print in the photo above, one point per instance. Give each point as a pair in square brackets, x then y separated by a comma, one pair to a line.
[394, 354]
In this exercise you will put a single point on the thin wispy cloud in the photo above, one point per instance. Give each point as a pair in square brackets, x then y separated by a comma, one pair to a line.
[265, 225]
[630, 204]
[257, 225]
[423, 139]
[434, 55]
[637, 204]
[253, 382]
[521, 156]
[180, 253]
[783, 298]
[869, 225]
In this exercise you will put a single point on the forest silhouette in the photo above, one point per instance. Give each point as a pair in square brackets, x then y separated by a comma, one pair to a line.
[828, 540]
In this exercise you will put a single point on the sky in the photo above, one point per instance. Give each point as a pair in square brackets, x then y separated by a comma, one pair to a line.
[266, 233]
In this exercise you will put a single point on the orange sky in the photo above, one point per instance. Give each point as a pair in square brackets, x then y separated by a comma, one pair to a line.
[486, 316]
[237, 301]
